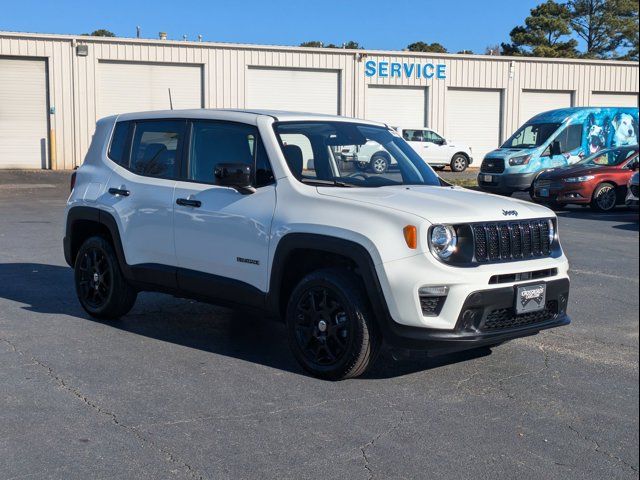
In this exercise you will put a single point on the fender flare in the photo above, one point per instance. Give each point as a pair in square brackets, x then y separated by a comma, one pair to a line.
[326, 243]
[99, 216]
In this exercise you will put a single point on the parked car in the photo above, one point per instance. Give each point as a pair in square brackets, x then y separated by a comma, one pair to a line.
[599, 180]
[553, 139]
[436, 151]
[371, 156]
[220, 206]
[632, 191]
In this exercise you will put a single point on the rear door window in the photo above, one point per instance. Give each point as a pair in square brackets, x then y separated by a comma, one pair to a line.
[156, 148]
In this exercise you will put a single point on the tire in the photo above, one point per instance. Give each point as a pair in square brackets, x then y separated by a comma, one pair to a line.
[605, 198]
[459, 163]
[379, 164]
[362, 166]
[330, 327]
[101, 288]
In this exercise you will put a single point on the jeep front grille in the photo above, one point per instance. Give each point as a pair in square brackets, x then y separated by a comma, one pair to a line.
[510, 241]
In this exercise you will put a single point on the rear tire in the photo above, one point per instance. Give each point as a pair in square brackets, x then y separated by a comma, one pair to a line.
[459, 163]
[379, 164]
[101, 288]
[330, 327]
[605, 198]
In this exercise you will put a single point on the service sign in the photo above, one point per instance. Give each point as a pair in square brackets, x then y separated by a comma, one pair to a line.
[373, 68]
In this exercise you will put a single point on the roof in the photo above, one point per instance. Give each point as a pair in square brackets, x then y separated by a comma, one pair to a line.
[561, 114]
[239, 115]
[365, 52]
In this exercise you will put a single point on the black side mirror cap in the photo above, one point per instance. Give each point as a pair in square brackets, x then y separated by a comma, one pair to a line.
[234, 175]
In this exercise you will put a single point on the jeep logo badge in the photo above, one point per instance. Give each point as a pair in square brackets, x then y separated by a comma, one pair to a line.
[509, 213]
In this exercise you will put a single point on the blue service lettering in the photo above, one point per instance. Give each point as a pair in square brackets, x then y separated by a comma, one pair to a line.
[407, 70]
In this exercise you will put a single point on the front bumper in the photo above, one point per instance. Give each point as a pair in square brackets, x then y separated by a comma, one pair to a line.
[506, 182]
[631, 200]
[578, 193]
[472, 327]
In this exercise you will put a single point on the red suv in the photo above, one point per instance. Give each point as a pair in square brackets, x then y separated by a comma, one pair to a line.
[599, 180]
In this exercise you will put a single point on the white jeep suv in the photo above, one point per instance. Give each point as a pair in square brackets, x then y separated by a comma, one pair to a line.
[222, 206]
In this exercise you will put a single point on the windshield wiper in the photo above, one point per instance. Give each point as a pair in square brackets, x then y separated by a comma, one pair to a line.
[325, 183]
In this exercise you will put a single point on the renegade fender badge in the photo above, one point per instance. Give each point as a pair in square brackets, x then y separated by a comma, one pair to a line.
[248, 260]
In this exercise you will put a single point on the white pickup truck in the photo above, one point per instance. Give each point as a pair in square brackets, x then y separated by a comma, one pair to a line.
[432, 148]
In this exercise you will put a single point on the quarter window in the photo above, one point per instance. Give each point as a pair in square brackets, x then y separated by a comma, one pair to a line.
[213, 143]
[119, 151]
[156, 147]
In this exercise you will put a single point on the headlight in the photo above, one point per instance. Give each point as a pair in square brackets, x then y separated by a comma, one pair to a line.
[584, 178]
[522, 160]
[443, 241]
[552, 232]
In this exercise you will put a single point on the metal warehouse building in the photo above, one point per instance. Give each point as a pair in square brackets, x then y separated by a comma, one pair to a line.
[53, 88]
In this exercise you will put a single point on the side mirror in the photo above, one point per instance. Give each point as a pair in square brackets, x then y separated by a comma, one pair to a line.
[555, 148]
[234, 175]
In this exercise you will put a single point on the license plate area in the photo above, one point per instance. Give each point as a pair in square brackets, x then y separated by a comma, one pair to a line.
[488, 178]
[531, 298]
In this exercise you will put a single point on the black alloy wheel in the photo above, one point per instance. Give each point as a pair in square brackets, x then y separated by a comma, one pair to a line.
[95, 283]
[322, 326]
[100, 285]
[330, 328]
[605, 197]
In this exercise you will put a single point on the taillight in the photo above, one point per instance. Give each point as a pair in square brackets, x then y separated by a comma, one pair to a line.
[73, 181]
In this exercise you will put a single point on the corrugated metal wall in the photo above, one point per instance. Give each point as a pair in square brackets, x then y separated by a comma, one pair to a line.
[72, 79]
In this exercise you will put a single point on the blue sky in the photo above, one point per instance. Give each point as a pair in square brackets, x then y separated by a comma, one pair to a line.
[376, 24]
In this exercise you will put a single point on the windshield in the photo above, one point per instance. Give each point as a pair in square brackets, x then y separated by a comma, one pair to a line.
[350, 155]
[609, 158]
[531, 135]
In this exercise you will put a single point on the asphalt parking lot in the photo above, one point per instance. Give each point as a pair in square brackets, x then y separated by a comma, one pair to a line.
[180, 389]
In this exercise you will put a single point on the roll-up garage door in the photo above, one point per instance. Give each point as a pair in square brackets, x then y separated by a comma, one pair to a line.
[533, 102]
[23, 113]
[134, 87]
[397, 106]
[313, 91]
[608, 99]
[474, 118]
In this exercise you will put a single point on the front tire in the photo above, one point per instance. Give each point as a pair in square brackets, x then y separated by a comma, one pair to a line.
[605, 198]
[101, 288]
[459, 163]
[330, 326]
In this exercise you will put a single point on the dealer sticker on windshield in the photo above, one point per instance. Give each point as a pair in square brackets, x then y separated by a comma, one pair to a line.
[531, 298]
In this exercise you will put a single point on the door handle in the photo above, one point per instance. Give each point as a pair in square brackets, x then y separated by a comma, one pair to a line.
[119, 191]
[185, 202]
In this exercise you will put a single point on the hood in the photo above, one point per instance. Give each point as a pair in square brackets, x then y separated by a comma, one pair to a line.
[442, 204]
[575, 171]
[505, 153]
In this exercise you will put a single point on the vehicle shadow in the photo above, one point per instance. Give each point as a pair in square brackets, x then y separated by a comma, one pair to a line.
[48, 289]
[628, 219]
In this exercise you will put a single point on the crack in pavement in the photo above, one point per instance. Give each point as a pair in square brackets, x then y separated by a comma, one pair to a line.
[144, 440]
[372, 442]
[601, 450]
